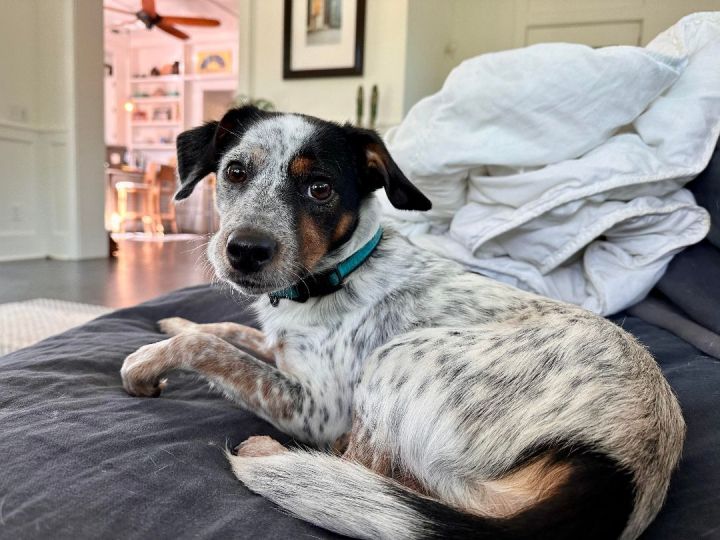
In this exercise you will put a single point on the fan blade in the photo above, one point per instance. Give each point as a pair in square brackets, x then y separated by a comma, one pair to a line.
[162, 25]
[116, 10]
[192, 21]
[148, 6]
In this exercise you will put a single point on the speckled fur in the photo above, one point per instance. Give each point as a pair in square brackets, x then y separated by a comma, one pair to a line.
[440, 379]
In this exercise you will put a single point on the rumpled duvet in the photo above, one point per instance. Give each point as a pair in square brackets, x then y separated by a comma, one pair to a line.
[560, 168]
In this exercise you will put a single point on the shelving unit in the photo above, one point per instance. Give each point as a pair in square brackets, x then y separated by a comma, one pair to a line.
[162, 106]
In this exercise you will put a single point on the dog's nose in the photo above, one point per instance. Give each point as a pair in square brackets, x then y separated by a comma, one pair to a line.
[250, 251]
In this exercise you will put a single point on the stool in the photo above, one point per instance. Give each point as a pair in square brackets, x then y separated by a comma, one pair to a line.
[146, 208]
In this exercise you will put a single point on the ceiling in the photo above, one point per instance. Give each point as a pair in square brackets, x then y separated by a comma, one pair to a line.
[224, 10]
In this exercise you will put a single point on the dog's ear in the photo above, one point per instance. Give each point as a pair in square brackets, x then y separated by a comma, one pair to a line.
[199, 149]
[379, 170]
[196, 157]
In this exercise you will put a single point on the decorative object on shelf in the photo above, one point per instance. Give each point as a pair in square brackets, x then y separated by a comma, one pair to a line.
[374, 97]
[261, 103]
[149, 16]
[359, 106]
[166, 69]
[323, 38]
[162, 114]
[213, 61]
[154, 72]
[176, 68]
[139, 115]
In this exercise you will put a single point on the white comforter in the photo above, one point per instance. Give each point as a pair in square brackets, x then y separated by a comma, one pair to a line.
[559, 168]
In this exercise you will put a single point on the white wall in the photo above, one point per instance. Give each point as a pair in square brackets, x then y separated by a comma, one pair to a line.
[481, 26]
[429, 35]
[51, 150]
[330, 98]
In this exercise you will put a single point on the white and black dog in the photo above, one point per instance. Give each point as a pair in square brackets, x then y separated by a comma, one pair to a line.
[443, 404]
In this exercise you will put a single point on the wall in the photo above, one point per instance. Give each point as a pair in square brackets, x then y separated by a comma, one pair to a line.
[51, 151]
[440, 35]
[330, 98]
[429, 36]
[481, 26]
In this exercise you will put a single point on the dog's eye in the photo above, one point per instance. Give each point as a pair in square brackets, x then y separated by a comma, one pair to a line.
[235, 173]
[320, 191]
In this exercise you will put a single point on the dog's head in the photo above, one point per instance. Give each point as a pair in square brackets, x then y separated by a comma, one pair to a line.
[289, 191]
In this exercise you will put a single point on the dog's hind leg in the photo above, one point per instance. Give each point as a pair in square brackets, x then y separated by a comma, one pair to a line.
[244, 337]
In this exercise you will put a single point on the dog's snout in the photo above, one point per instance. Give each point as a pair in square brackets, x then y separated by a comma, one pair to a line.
[250, 251]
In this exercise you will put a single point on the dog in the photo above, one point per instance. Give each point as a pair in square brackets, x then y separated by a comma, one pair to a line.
[439, 403]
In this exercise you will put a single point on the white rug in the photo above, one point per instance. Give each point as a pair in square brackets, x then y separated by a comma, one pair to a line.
[25, 323]
[142, 237]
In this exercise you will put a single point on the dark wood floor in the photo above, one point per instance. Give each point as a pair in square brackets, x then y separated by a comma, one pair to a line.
[141, 270]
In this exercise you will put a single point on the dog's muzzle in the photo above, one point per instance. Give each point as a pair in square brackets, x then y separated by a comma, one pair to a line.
[250, 251]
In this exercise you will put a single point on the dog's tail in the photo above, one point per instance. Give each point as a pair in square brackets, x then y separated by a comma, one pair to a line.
[347, 498]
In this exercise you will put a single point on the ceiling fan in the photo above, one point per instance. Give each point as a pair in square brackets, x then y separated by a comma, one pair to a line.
[149, 16]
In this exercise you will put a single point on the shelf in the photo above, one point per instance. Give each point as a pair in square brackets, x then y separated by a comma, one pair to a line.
[155, 124]
[210, 76]
[188, 77]
[150, 146]
[159, 78]
[155, 99]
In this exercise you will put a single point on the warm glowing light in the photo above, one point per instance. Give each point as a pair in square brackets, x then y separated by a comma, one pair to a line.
[115, 221]
[129, 106]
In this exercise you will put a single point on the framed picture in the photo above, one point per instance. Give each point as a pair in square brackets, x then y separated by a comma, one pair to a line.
[323, 38]
[213, 61]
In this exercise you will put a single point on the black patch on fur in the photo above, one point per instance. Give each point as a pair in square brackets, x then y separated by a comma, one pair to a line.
[594, 504]
[199, 149]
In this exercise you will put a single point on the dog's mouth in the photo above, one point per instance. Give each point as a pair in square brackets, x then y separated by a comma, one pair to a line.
[252, 285]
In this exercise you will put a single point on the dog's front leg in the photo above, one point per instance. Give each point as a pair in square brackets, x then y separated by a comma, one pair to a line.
[254, 384]
[245, 337]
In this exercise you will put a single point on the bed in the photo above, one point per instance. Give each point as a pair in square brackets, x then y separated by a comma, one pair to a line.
[79, 458]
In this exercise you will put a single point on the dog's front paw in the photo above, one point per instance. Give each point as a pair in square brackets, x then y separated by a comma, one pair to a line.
[259, 446]
[176, 325]
[142, 372]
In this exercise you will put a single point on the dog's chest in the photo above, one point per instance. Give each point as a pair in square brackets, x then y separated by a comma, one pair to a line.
[331, 352]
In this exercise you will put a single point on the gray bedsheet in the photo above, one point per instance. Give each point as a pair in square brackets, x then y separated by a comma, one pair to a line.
[79, 458]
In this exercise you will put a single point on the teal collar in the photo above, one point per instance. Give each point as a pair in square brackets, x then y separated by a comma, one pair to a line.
[329, 281]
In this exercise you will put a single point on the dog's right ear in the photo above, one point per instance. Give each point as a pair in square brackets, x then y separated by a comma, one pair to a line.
[199, 149]
[196, 157]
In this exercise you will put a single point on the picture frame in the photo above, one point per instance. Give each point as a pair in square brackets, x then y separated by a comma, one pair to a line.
[213, 61]
[323, 38]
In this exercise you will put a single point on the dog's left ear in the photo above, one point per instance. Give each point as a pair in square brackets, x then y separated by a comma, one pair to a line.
[200, 148]
[379, 170]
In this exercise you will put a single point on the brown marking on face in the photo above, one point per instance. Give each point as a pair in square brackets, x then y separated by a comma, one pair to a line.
[313, 242]
[301, 166]
[376, 157]
[343, 226]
